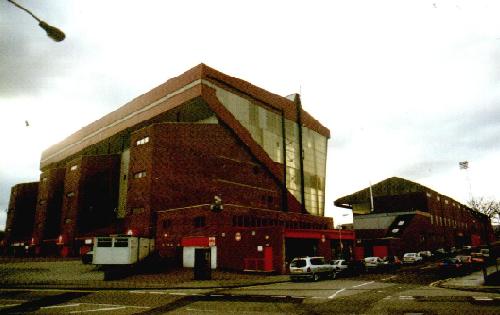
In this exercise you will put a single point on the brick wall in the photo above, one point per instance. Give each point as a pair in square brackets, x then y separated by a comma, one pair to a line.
[257, 227]
[48, 209]
[90, 195]
[188, 164]
[21, 212]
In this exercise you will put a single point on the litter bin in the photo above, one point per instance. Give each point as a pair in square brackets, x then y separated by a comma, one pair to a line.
[202, 266]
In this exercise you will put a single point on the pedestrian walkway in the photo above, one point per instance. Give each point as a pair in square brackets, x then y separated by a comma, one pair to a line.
[472, 282]
[72, 274]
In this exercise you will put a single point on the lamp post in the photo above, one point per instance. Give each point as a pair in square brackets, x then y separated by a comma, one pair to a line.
[52, 31]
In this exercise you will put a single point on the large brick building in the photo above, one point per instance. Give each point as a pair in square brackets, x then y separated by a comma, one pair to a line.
[407, 217]
[153, 167]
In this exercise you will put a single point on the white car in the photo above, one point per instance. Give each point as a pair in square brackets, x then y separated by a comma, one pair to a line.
[425, 254]
[340, 265]
[373, 262]
[311, 268]
[412, 258]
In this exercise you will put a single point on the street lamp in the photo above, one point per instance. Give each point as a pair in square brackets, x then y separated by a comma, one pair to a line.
[52, 31]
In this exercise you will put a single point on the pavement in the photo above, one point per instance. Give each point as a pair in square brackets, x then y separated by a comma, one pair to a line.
[72, 274]
[474, 281]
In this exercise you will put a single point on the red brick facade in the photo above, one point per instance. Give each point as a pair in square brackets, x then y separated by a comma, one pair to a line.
[48, 208]
[21, 213]
[431, 220]
[154, 166]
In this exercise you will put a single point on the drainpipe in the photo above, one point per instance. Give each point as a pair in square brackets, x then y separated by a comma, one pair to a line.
[284, 195]
[298, 104]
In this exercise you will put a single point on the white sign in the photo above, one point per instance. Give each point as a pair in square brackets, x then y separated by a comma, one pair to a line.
[260, 248]
[211, 241]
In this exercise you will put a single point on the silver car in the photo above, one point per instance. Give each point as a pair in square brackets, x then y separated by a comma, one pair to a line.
[311, 268]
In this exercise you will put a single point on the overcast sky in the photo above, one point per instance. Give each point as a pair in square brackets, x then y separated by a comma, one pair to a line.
[407, 88]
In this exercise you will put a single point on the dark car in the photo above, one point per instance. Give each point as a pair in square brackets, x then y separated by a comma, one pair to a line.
[87, 257]
[477, 260]
[391, 263]
[466, 261]
[349, 267]
[451, 266]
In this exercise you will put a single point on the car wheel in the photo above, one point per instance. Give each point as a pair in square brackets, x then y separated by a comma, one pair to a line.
[315, 277]
[333, 275]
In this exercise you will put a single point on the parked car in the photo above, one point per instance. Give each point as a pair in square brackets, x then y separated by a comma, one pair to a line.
[485, 252]
[373, 263]
[451, 265]
[412, 258]
[425, 254]
[440, 252]
[391, 262]
[312, 268]
[340, 265]
[87, 257]
[477, 260]
[355, 268]
[466, 261]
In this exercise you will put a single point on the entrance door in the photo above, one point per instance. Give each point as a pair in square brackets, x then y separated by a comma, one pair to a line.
[268, 258]
[300, 247]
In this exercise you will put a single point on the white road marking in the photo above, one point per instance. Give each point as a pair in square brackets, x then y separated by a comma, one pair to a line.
[278, 296]
[362, 284]
[9, 305]
[387, 297]
[198, 310]
[336, 292]
[216, 295]
[100, 309]
[385, 279]
[177, 293]
[61, 306]
[406, 297]
[482, 298]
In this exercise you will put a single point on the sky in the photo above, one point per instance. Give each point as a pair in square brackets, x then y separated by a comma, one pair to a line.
[407, 88]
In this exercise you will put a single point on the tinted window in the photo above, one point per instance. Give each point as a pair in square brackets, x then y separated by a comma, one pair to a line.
[317, 261]
[298, 263]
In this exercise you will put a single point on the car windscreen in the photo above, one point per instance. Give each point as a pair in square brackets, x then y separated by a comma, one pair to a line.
[299, 263]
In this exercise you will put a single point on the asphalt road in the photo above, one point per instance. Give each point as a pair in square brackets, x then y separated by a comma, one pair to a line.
[405, 292]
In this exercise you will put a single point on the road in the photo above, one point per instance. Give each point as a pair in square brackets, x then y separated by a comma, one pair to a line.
[398, 293]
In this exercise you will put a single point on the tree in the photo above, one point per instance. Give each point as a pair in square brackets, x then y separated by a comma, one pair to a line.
[487, 206]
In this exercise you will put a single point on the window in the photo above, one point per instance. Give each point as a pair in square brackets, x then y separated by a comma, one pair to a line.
[142, 141]
[199, 222]
[42, 202]
[401, 223]
[121, 242]
[73, 168]
[44, 179]
[70, 194]
[67, 221]
[141, 174]
[104, 242]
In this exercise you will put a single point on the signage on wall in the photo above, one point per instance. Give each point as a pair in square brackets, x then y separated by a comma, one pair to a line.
[211, 241]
